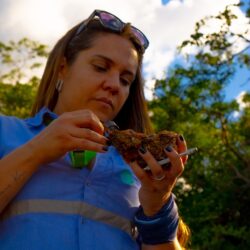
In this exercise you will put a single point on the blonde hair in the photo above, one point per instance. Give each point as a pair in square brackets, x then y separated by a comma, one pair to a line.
[183, 234]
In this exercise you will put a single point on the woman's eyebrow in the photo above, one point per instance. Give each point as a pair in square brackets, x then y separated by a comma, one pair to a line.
[110, 61]
[105, 58]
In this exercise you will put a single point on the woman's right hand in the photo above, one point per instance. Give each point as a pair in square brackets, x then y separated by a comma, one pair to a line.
[76, 130]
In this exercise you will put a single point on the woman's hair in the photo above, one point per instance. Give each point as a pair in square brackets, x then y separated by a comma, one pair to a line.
[134, 113]
[183, 234]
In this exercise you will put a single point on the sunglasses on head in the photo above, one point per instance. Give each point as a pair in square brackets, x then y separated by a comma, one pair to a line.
[113, 23]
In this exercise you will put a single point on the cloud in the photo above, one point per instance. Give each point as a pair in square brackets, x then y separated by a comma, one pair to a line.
[165, 25]
[239, 100]
[242, 105]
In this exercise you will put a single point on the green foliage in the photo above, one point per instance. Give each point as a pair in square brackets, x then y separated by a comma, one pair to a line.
[17, 99]
[215, 194]
[18, 80]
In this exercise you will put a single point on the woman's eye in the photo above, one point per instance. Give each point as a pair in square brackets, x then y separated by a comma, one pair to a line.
[100, 68]
[125, 81]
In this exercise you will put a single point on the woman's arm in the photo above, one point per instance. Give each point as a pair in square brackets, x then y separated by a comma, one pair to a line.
[15, 170]
[74, 130]
[157, 219]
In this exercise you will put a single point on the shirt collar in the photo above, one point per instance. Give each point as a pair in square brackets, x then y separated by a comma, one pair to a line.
[38, 119]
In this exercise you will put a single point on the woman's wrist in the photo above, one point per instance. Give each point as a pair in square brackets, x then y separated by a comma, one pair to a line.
[160, 228]
[33, 153]
[152, 210]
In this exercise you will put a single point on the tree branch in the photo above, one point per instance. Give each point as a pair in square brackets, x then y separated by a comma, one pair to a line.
[239, 175]
[225, 140]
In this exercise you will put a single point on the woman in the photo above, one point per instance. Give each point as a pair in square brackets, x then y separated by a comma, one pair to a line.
[93, 75]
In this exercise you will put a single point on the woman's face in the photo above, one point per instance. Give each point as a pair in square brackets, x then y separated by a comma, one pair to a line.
[100, 77]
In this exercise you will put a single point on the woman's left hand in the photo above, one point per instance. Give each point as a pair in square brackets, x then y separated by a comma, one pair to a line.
[157, 184]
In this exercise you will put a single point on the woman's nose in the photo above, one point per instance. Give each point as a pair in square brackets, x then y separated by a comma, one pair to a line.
[112, 83]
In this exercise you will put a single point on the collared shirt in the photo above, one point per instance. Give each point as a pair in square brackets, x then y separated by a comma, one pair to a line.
[61, 207]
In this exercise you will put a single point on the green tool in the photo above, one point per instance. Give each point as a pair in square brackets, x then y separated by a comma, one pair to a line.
[81, 159]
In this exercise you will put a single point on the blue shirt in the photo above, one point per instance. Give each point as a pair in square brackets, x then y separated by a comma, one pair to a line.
[41, 217]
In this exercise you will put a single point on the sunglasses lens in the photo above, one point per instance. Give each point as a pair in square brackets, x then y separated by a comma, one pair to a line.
[110, 21]
[142, 39]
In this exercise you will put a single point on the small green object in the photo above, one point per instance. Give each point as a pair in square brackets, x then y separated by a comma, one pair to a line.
[81, 159]
[88, 157]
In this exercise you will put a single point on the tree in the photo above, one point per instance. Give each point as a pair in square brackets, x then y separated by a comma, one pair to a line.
[18, 78]
[215, 193]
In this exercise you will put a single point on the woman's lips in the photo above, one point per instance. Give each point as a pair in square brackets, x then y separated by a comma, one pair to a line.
[106, 101]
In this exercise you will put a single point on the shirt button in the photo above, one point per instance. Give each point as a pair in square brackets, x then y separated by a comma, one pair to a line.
[88, 183]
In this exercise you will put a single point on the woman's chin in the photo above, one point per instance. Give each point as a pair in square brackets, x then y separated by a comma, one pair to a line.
[103, 117]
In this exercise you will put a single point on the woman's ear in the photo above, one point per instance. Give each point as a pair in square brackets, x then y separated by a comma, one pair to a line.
[63, 70]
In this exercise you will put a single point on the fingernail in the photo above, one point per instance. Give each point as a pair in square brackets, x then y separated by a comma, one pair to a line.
[142, 149]
[181, 137]
[105, 148]
[168, 148]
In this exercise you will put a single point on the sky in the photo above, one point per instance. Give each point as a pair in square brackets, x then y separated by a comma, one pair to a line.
[165, 22]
